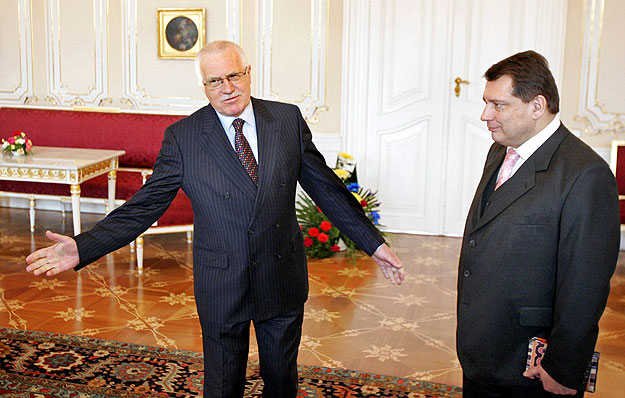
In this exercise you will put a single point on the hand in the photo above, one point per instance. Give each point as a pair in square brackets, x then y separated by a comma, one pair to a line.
[54, 259]
[389, 263]
[549, 384]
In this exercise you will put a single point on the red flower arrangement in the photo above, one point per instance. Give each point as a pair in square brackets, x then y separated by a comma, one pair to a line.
[321, 238]
[318, 244]
[17, 144]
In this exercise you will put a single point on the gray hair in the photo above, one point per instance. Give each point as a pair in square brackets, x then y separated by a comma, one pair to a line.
[215, 47]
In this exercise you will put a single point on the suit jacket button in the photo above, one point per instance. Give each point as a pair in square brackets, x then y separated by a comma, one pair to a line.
[227, 195]
[279, 256]
[253, 263]
[250, 232]
[277, 226]
[472, 243]
[467, 273]
[283, 185]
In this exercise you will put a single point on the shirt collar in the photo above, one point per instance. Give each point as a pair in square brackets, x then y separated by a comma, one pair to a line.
[530, 146]
[247, 115]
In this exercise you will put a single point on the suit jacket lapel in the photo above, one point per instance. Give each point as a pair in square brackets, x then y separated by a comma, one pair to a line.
[523, 180]
[215, 142]
[267, 130]
[491, 167]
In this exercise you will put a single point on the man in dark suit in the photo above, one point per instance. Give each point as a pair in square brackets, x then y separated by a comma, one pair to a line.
[540, 243]
[239, 160]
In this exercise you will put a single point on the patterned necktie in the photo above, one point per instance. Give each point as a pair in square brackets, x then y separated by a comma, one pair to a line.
[243, 149]
[506, 168]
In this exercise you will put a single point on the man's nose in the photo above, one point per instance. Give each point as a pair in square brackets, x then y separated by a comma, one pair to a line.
[486, 114]
[228, 87]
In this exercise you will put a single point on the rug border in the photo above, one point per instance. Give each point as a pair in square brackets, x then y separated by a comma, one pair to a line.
[305, 371]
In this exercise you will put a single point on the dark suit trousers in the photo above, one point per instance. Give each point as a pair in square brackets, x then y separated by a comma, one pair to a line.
[471, 389]
[226, 348]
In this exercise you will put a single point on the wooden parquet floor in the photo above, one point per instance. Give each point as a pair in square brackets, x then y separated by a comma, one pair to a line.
[354, 318]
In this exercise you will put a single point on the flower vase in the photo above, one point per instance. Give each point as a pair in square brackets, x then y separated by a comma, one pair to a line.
[17, 154]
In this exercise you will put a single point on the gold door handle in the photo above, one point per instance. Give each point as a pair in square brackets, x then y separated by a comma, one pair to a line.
[458, 82]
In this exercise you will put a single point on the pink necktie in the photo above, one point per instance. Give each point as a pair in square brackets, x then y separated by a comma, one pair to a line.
[506, 168]
[243, 149]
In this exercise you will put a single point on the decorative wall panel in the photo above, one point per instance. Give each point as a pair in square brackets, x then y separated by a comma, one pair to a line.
[76, 52]
[601, 106]
[16, 80]
[301, 80]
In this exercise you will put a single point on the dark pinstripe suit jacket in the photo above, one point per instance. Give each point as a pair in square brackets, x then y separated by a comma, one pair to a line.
[536, 260]
[248, 255]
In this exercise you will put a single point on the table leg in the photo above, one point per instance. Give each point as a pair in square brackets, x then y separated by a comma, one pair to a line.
[32, 212]
[75, 191]
[111, 202]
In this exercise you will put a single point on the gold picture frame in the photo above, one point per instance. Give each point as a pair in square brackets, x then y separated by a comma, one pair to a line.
[181, 32]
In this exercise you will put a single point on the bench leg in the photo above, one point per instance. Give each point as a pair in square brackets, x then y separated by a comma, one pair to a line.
[140, 255]
[32, 212]
[189, 236]
[75, 191]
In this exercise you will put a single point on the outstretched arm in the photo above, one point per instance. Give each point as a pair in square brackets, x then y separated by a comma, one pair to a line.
[51, 260]
[389, 263]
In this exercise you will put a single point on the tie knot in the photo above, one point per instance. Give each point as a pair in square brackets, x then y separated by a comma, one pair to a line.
[512, 155]
[238, 125]
[506, 168]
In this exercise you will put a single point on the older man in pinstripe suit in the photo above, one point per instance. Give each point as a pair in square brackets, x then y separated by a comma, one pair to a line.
[239, 160]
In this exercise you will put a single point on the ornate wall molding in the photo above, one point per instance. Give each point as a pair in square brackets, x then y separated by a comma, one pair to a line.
[313, 101]
[58, 91]
[591, 112]
[23, 89]
[233, 11]
[138, 97]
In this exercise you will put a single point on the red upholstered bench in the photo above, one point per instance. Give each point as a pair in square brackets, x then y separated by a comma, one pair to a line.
[140, 135]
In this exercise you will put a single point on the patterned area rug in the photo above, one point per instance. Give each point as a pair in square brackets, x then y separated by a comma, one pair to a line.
[51, 365]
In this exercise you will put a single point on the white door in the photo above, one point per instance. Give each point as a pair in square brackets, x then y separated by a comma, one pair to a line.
[394, 115]
[486, 31]
[416, 143]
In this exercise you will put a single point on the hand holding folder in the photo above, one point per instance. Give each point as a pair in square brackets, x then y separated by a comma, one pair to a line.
[536, 351]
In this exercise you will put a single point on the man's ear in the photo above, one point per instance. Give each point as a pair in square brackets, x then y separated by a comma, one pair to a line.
[539, 106]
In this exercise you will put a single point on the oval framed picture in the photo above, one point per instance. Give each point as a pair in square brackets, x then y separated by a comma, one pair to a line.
[181, 32]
